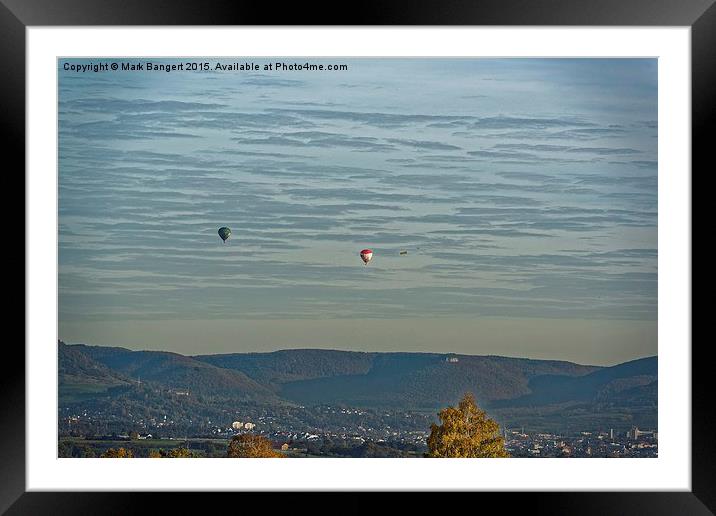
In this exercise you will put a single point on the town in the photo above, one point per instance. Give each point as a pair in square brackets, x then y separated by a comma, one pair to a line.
[326, 431]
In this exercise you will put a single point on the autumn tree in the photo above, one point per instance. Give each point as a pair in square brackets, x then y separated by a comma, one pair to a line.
[180, 453]
[119, 453]
[249, 445]
[465, 431]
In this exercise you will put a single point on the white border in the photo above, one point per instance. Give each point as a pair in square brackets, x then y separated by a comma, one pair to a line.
[671, 471]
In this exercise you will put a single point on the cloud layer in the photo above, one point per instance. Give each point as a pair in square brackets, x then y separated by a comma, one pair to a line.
[519, 188]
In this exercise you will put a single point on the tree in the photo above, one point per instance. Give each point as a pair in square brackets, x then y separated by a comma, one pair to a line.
[249, 445]
[179, 453]
[82, 450]
[64, 449]
[119, 453]
[174, 453]
[466, 431]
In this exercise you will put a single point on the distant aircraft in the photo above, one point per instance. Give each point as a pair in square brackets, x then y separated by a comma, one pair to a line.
[366, 255]
[224, 233]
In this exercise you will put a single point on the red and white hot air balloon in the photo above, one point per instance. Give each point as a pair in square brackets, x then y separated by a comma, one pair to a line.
[366, 255]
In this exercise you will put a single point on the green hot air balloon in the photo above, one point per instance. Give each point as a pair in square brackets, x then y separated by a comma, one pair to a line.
[224, 233]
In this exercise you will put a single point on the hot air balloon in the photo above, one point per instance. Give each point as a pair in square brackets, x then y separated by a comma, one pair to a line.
[366, 255]
[224, 233]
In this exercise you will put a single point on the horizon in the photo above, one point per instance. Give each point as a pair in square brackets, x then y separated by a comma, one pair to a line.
[511, 205]
[368, 352]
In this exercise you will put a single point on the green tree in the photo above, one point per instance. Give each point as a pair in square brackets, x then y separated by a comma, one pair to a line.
[64, 449]
[174, 453]
[119, 453]
[465, 431]
[251, 446]
[83, 451]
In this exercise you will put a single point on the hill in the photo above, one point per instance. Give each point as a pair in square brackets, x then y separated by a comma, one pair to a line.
[600, 385]
[416, 380]
[280, 367]
[80, 376]
[290, 388]
[173, 371]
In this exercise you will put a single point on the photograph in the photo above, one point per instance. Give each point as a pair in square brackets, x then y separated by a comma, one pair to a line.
[357, 257]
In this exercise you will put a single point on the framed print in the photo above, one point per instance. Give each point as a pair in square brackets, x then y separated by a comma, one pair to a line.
[384, 255]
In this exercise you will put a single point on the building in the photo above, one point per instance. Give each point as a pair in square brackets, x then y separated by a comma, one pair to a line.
[635, 433]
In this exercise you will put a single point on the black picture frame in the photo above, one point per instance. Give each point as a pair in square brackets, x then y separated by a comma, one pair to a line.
[17, 15]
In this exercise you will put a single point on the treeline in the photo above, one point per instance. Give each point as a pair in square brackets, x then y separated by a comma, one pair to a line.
[219, 449]
[140, 449]
[371, 449]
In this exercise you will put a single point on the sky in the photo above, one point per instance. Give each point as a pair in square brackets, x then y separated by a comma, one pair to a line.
[523, 190]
